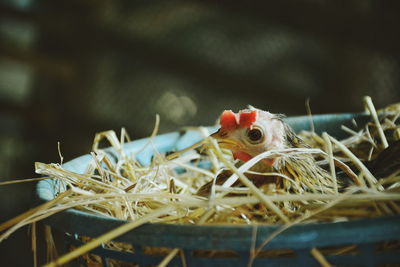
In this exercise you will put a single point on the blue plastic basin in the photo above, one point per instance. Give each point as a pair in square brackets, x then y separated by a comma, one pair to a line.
[301, 238]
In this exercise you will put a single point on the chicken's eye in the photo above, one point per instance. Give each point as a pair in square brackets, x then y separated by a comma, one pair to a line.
[255, 135]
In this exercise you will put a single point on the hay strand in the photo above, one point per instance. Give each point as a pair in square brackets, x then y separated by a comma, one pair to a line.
[374, 115]
[24, 215]
[328, 147]
[320, 258]
[109, 236]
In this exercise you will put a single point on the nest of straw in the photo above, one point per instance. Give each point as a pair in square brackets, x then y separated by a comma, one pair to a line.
[166, 190]
[127, 190]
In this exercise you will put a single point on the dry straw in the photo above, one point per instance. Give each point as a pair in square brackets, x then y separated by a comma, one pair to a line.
[166, 190]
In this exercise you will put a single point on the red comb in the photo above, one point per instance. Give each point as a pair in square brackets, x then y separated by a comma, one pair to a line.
[230, 120]
[247, 119]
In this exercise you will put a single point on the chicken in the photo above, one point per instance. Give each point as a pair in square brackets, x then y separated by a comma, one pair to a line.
[253, 131]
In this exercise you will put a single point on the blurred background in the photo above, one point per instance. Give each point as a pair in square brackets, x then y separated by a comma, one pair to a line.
[69, 69]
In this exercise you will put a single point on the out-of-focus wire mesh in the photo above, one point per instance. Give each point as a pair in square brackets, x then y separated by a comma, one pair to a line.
[69, 69]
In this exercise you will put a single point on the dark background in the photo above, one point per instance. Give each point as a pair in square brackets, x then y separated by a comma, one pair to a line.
[69, 69]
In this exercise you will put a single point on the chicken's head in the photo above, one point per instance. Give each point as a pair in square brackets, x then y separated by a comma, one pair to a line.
[250, 132]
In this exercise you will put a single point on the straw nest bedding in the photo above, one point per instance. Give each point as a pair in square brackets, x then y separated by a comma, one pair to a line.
[126, 190]
[167, 189]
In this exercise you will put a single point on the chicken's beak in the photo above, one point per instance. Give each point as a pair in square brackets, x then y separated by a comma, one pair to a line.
[225, 142]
